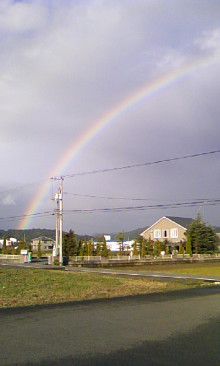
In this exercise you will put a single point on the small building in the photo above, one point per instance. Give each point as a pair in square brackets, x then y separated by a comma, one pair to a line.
[168, 227]
[10, 242]
[114, 246]
[46, 244]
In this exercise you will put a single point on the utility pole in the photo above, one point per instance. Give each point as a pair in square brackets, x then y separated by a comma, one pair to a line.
[59, 222]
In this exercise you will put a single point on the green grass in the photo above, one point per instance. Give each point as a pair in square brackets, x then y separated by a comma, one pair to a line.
[187, 268]
[202, 269]
[22, 287]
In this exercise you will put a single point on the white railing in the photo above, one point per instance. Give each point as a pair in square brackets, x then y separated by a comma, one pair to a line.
[87, 258]
[9, 256]
[124, 257]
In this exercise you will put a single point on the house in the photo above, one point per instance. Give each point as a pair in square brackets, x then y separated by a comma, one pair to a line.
[168, 227]
[46, 244]
[11, 242]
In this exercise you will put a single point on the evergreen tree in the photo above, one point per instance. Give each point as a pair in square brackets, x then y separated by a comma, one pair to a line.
[150, 247]
[104, 249]
[85, 247]
[69, 244]
[166, 246]
[4, 248]
[157, 248]
[39, 252]
[202, 236]
[188, 245]
[23, 245]
[79, 248]
[120, 238]
[143, 247]
[181, 247]
[135, 248]
[90, 248]
[99, 245]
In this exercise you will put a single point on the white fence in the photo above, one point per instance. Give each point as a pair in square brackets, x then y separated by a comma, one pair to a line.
[124, 258]
[86, 258]
[9, 256]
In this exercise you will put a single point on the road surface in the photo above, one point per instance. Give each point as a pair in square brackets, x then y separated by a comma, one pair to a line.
[181, 328]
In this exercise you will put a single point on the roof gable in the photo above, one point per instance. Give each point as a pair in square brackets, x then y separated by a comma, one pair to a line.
[184, 222]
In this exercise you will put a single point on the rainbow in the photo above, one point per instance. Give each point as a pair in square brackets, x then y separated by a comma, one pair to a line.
[138, 96]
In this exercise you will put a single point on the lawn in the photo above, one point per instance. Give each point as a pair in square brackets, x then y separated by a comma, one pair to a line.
[23, 287]
[208, 268]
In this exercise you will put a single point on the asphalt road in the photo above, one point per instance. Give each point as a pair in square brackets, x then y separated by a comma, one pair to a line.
[181, 328]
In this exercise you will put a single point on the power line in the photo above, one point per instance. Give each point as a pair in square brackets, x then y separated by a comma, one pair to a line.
[146, 207]
[131, 198]
[194, 203]
[21, 217]
[138, 165]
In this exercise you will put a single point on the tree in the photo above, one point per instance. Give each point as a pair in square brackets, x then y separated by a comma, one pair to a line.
[120, 238]
[4, 248]
[39, 253]
[90, 248]
[22, 244]
[85, 247]
[188, 245]
[157, 248]
[69, 244]
[143, 248]
[150, 247]
[166, 246]
[202, 237]
[181, 247]
[80, 248]
[135, 249]
[104, 248]
[99, 244]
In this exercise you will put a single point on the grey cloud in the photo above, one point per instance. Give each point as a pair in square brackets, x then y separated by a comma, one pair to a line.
[70, 64]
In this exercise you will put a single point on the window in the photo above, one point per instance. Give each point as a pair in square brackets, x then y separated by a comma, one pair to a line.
[174, 233]
[165, 233]
[157, 234]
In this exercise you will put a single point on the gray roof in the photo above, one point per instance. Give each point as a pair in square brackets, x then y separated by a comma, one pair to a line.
[183, 221]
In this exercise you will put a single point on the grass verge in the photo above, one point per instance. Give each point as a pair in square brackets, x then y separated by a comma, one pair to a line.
[209, 269]
[23, 287]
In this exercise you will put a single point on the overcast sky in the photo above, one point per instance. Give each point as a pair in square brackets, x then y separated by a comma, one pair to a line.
[65, 64]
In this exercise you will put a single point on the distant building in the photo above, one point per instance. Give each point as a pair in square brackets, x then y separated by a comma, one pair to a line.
[114, 246]
[46, 244]
[11, 242]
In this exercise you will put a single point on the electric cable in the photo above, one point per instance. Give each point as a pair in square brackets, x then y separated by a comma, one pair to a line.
[137, 165]
[146, 207]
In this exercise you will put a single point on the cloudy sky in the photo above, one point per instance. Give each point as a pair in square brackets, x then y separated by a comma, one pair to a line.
[64, 65]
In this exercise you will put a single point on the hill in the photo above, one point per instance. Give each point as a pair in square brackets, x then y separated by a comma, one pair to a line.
[30, 234]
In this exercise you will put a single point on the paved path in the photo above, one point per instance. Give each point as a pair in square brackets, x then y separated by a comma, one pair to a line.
[174, 329]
